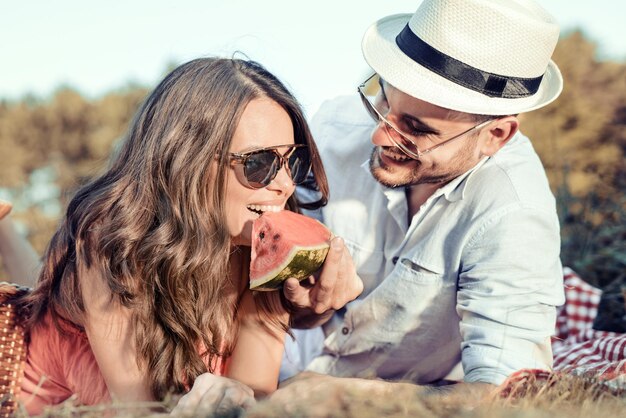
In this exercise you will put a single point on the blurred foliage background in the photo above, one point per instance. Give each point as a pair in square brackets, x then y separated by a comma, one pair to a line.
[581, 139]
[50, 147]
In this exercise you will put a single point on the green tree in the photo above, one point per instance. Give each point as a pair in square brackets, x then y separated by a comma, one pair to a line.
[581, 141]
[49, 147]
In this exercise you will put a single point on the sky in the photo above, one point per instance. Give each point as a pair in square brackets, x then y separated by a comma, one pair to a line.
[313, 46]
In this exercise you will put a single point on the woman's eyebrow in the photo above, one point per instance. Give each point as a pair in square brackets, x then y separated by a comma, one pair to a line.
[248, 149]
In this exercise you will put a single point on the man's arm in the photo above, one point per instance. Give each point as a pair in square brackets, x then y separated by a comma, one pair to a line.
[508, 289]
[306, 318]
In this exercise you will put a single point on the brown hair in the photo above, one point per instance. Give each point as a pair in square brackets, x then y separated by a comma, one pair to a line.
[153, 225]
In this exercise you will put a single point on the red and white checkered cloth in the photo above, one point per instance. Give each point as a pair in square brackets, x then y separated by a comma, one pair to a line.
[578, 349]
[576, 316]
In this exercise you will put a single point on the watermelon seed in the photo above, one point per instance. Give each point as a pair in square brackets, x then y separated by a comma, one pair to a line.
[276, 237]
[262, 235]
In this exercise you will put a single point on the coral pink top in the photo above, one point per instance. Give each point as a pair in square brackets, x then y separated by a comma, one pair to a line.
[58, 366]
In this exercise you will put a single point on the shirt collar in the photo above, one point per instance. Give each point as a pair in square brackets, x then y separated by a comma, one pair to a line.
[366, 166]
[455, 190]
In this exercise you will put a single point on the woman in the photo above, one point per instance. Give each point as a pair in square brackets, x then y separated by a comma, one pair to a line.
[144, 285]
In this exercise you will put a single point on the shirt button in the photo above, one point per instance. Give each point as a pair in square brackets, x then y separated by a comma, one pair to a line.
[345, 330]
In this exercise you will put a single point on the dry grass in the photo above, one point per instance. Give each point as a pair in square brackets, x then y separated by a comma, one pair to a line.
[69, 409]
[566, 396]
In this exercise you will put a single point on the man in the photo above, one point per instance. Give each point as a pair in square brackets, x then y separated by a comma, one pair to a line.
[450, 221]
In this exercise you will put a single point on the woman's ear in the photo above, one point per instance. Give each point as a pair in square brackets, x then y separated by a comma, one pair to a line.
[498, 134]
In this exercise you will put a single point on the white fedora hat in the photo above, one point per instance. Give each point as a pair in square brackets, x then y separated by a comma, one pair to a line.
[488, 57]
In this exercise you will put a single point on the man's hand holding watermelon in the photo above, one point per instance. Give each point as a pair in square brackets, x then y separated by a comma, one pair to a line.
[299, 256]
[337, 284]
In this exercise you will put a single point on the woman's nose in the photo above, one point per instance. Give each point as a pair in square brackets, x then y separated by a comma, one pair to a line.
[282, 182]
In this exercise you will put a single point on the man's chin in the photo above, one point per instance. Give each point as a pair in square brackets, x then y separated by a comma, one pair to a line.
[388, 175]
[387, 178]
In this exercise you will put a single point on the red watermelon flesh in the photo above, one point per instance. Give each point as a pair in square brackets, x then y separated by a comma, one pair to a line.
[286, 244]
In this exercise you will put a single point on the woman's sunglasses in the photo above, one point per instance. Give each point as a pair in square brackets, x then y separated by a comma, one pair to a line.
[256, 169]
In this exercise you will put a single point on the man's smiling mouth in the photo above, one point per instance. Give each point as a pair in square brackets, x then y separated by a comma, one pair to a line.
[395, 156]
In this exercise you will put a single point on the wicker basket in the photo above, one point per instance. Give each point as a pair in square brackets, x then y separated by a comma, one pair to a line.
[12, 349]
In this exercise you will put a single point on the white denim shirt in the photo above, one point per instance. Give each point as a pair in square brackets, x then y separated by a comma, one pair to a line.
[475, 276]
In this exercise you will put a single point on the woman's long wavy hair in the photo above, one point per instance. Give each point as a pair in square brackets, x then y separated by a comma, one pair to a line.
[154, 224]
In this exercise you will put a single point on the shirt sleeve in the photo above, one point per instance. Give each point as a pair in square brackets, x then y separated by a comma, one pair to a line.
[305, 194]
[510, 283]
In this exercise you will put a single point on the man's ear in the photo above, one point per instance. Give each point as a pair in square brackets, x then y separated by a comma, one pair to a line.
[498, 134]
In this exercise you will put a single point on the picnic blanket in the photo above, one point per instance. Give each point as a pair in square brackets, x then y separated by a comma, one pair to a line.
[578, 348]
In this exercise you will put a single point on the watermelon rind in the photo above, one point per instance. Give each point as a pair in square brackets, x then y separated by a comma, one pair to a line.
[300, 264]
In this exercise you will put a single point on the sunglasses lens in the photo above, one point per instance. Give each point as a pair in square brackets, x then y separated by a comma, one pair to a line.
[299, 164]
[261, 168]
[369, 106]
[408, 147]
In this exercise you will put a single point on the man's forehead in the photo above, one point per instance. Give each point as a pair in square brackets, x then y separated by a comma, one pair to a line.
[416, 107]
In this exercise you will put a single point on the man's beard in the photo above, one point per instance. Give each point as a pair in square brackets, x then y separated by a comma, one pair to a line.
[415, 173]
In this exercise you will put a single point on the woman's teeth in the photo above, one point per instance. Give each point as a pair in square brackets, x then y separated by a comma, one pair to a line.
[264, 208]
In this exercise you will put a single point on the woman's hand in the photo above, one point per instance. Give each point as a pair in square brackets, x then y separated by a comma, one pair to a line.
[20, 260]
[214, 395]
[5, 208]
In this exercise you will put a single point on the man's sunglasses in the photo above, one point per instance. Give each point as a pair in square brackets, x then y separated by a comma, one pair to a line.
[400, 139]
[256, 169]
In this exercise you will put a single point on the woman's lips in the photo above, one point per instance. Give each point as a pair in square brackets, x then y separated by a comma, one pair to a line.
[265, 208]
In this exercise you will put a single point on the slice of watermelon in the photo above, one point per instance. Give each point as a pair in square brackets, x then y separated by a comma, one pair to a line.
[286, 244]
